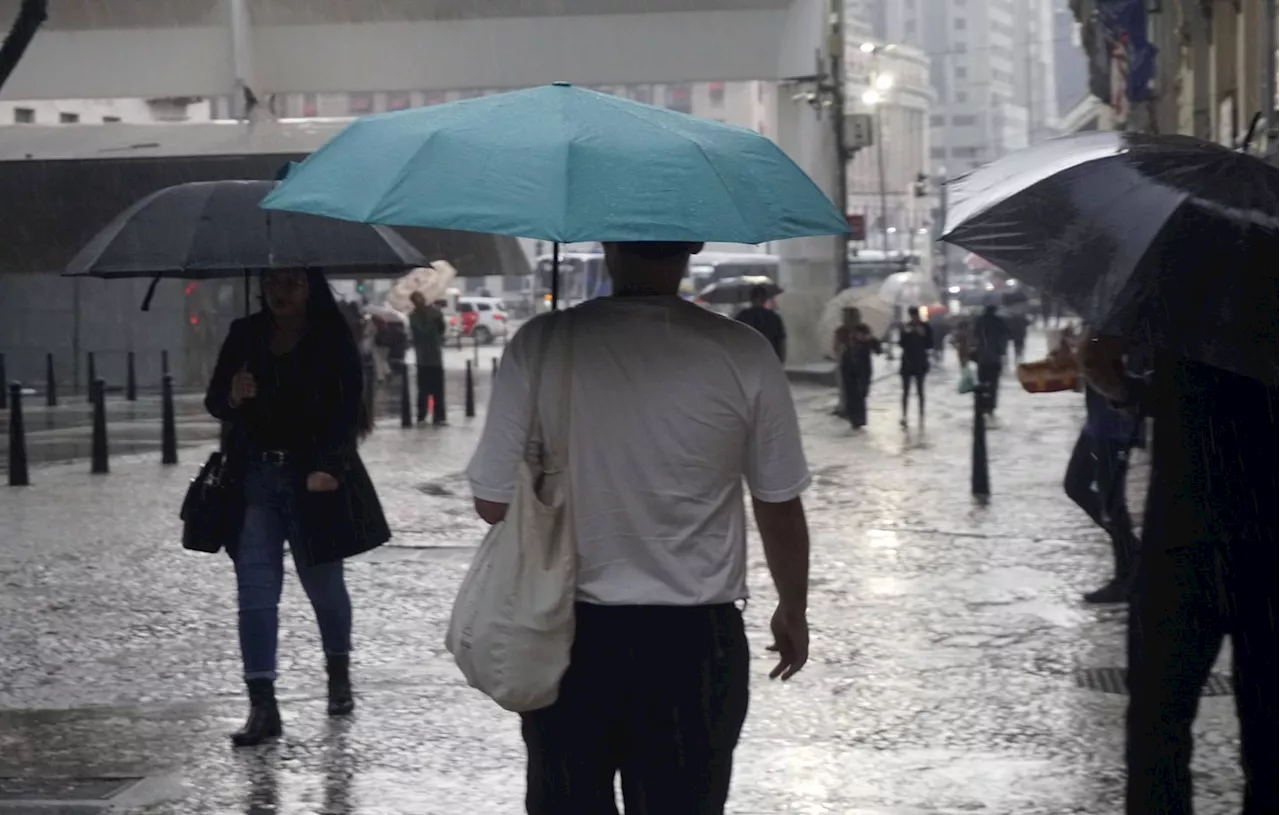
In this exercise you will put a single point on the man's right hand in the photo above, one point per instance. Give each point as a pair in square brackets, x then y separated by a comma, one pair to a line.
[243, 386]
[790, 642]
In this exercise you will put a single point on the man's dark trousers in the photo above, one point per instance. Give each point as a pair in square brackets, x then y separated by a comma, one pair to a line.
[431, 384]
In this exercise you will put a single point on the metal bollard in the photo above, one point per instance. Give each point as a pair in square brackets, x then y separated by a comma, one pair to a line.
[17, 438]
[164, 363]
[50, 382]
[980, 479]
[475, 349]
[93, 376]
[406, 413]
[98, 392]
[131, 380]
[471, 392]
[495, 367]
[4, 394]
[168, 427]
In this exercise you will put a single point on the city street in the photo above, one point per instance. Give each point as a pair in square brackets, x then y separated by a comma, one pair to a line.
[949, 645]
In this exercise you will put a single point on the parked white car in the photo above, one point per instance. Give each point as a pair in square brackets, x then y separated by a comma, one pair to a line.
[482, 318]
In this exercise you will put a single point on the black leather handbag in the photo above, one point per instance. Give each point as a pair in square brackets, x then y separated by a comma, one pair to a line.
[213, 509]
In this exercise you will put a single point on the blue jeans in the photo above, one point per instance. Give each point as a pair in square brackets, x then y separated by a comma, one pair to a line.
[271, 517]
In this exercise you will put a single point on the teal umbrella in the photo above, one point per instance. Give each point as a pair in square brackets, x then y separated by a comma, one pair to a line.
[562, 164]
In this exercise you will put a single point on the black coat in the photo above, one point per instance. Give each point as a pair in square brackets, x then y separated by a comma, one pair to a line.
[334, 525]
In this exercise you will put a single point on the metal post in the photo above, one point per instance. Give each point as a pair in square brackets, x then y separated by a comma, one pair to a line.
[940, 226]
[98, 391]
[164, 363]
[4, 395]
[17, 439]
[93, 376]
[50, 382]
[980, 478]
[168, 428]
[471, 392]
[475, 348]
[838, 82]
[131, 380]
[884, 195]
[495, 367]
[555, 276]
[406, 415]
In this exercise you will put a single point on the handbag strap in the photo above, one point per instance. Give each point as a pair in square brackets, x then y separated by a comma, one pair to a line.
[537, 446]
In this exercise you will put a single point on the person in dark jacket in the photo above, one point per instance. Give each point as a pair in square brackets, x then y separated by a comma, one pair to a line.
[990, 342]
[916, 340]
[765, 320]
[1207, 570]
[854, 347]
[288, 385]
[1095, 480]
[1018, 324]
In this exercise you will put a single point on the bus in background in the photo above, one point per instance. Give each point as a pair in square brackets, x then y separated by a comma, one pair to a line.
[582, 277]
[870, 267]
[706, 268]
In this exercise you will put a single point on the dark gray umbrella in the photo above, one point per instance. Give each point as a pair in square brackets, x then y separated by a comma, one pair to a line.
[209, 229]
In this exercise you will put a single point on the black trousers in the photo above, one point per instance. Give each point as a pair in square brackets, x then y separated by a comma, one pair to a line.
[857, 384]
[431, 384]
[1187, 598]
[1104, 463]
[907, 379]
[656, 693]
[989, 379]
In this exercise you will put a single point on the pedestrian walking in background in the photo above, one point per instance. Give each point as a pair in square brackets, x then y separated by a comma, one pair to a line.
[962, 339]
[990, 343]
[1018, 324]
[916, 340]
[765, 320]
[1207, 570]
[671, 409]
[1095, 480]
[854, 347]
[428, 327]
[288, 382]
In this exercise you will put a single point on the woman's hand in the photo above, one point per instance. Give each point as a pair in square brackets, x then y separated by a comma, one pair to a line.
[320, 481]
[243, 386]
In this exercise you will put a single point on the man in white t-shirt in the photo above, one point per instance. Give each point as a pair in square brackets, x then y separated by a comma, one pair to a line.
[670, 408]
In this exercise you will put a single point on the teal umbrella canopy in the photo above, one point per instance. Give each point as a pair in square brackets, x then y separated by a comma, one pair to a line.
[560, 163]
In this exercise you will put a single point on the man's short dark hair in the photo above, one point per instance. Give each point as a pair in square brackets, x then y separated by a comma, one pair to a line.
[657, 250]
[759, 293]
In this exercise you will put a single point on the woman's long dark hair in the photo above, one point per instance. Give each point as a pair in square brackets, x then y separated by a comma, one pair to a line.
[325, 316]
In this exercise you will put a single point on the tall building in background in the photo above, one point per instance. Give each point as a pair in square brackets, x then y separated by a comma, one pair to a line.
[991, 67]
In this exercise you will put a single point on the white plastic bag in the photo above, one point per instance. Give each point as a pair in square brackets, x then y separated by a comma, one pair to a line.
[512, 625]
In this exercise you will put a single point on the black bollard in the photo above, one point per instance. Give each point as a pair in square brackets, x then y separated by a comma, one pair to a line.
[471, 392]
[50, 382]
[980, 478]
[495, 366]
[131, 380]
[17, 439]
[168, 427]
[93, 376]
[164, 363]
[4, 393]
[98, 391]
[406, 414]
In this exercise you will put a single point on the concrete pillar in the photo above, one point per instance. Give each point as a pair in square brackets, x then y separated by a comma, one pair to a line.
[810, 267]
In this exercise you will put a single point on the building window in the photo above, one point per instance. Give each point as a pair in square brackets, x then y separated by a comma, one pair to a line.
[24, 116]
[68, 118]
[966, 152]
[937, 120]
[961, 24]
[110, 120]
[910, 27]
[962, 72]
[960, 48]
[937, 152]
[360, 103]
[961, 96]
[964, 121]
[717, 94]
[310, 107]
[399, 101]
[679, 99]
[434, 98]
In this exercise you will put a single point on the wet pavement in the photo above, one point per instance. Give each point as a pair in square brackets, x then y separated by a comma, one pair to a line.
[947, 638]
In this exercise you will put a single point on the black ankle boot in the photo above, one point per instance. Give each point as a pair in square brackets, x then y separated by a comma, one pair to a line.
[340, 700]
[264, 715]
[1117, 591]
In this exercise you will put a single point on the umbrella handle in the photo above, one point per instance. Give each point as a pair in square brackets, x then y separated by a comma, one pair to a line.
[151, 292]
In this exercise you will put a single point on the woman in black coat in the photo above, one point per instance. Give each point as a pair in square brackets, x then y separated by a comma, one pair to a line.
[288, 384]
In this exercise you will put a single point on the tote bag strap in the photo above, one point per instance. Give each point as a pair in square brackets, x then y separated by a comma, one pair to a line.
[545, 454]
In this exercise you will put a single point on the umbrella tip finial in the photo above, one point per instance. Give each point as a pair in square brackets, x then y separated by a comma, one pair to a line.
[561, 84]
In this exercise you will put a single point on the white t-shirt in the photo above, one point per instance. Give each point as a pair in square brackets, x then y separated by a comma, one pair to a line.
[671, 408]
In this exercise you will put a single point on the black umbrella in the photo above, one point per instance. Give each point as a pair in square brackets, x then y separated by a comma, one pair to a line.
[210, 229]
[733, 290]
[1164, 239]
